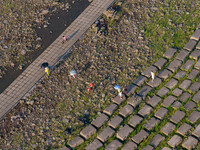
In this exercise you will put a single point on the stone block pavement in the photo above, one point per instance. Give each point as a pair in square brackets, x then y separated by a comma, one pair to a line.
[11, 96]
[160, 114]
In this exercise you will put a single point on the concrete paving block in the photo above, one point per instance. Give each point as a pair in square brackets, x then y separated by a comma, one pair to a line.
[190, 45]
[140, 80]
[94, 145]
[148, 147]
[135, 100]
[196, 132]
[174, 65]
[190, 105]
[185, 84]
[193, 74]
[168, 128]
[170, 53]
[196, 97]
[197, 65]
[166, 148]
[130, 146]
[106, 134]
[195, 54]
[124, 132]
[154, 100]
[154, 83]
[172, 83]
[194, 87]
[100, 120]
[183, 129]
[198, 46]
[168, 101]
[180, 74]
[139, 137]
[175, 141]
[146, 110]
[114, 122]
[177, 117]
[75, 142]
[177, 92]
[110, 109]
[118, 100]
[164, 74]
[135, 120]
[88, 131]
[182, 55]
[147, 71]
[185, 96]
[190, 143]
[131, 89]
[163, 91]
[114, 145]
[126, 110]
[160, 63]
[176, 105]
[157, 139]
[196, 35]
[194, 116]
[151, 123]
[160, 114]
[188, 64]
[144, 91]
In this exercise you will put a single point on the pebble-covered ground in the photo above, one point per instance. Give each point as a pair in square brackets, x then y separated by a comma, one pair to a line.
[61, 106]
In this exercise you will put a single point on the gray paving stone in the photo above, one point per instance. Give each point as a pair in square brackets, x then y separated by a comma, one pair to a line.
[172, 83]
[75, 142]
[160, 63]
[126, 110]
[182, 55]
[148, 147]
[196, 132]
[180, 74]
[190, 105]
[195, 54]
[100, 120]
[151, 123]
[190, 45]
[190, 143]
[130, 146]
[177, 117]
[163, 91]
[160, 114]
[88, 131]
[193, 74]
[196, 97]
[176, 105]
[157, 139]
[174, 141]
[114, 145]
[164, 74]
[131, 89]
[189, 63]
[135, 100]
[106, 134]
[146, 110]
[196, 35]
[119, 100]
[124, 132]
[140, 80]
[94, 145]
[147, 71]
[197, 65]
[168, 101]
[183, 129]
[194, 87]
[144, 91]
[154, 100]
[166, 148]
[114, 122]
[139, 137]
[177, 92]
[154, 83]
[174, 65]
[185, 84]
[194, 116]
[110, 109]
[170, 53]
[135, 120]
[168, 128]
[64, 148]
[185, 96]
[198, 46]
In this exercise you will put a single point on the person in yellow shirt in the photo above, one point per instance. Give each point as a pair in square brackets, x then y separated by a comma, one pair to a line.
[47, 70]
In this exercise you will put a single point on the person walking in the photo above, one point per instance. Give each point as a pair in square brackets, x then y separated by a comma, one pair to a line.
[64, 39]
